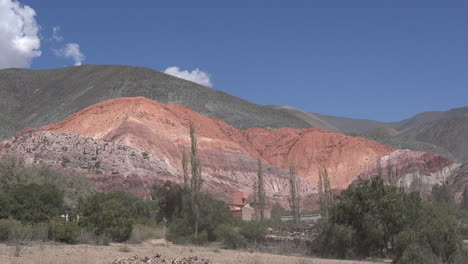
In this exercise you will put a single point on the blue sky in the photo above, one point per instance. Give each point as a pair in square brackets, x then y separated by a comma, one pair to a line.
[383, 60]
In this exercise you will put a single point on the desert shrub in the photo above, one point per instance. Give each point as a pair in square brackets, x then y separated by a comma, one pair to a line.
[141, 233]
[40, 231]
[199, 239]
[124, 248]
[6, 225]
[253, 231]
[416, 254]
[5, 205]
[35, 203]
[333, 240]
[63, 231]
[18, 235]
[179, 231]
[230, 236]
[103, 214]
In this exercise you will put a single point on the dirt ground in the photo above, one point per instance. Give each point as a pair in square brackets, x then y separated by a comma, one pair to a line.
[50, 253]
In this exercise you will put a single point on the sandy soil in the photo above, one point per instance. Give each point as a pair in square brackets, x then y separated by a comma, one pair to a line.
[50, 253]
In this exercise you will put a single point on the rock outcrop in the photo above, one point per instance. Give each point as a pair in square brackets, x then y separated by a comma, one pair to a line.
[418, 171]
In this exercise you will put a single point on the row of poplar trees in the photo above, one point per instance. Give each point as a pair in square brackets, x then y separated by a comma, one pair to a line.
[324, 192]
[194, 183]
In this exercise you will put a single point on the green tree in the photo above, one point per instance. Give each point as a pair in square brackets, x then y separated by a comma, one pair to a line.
[35, 203]
[75, 186]
[261, 191]
[375, 219]
[185, 170]
[197, 180]
[170, 199]
[294, 199]
[325, 193]
[107, 214]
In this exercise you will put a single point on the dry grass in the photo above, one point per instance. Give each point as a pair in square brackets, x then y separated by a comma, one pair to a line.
[141, 233]
[52, 253]
[124, 248]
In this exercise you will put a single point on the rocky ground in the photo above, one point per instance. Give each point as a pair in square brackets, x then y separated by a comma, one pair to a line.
[50, 253]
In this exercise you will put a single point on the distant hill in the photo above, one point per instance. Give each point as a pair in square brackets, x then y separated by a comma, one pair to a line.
[448, 133]
[442, 132]
[33, 98]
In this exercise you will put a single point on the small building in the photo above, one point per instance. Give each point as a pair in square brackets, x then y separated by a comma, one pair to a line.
[241, 207]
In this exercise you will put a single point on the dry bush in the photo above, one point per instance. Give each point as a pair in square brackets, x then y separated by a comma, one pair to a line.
[18, 236]
[141, 233]
[40, 232]
[124, 248]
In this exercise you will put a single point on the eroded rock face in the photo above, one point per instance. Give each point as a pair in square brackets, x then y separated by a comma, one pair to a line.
[156, 128]
[116, 166]
[144, 142]
[414, 170]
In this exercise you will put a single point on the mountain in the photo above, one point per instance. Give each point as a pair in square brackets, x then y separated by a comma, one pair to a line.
[34, 98]
[448, 133]
[333, 123]
[442, 132]
[131, 143]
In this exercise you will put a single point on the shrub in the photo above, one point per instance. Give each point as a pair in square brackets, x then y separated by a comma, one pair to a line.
[333, 240]
[179, 231]
[124, 248]
[18, 235]
[200, 239]
[253, 231]
[6, 225]
[63, 231]
[230, 236]
[416, 254]
[40, 231]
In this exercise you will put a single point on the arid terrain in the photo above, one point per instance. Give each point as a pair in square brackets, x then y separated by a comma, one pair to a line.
[48, 253]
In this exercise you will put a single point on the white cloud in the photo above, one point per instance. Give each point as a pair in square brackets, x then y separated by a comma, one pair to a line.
[56, 34]
[19, 35]
[71, 50]
[196, 75]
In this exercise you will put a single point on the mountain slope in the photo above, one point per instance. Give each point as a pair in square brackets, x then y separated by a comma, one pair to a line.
[33, 98]
[333, 123]
[442, 132]
[161, 129]
[448, 133]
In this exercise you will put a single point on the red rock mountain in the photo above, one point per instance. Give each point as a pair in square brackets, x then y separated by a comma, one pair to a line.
[128, 143]
[162, 130]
